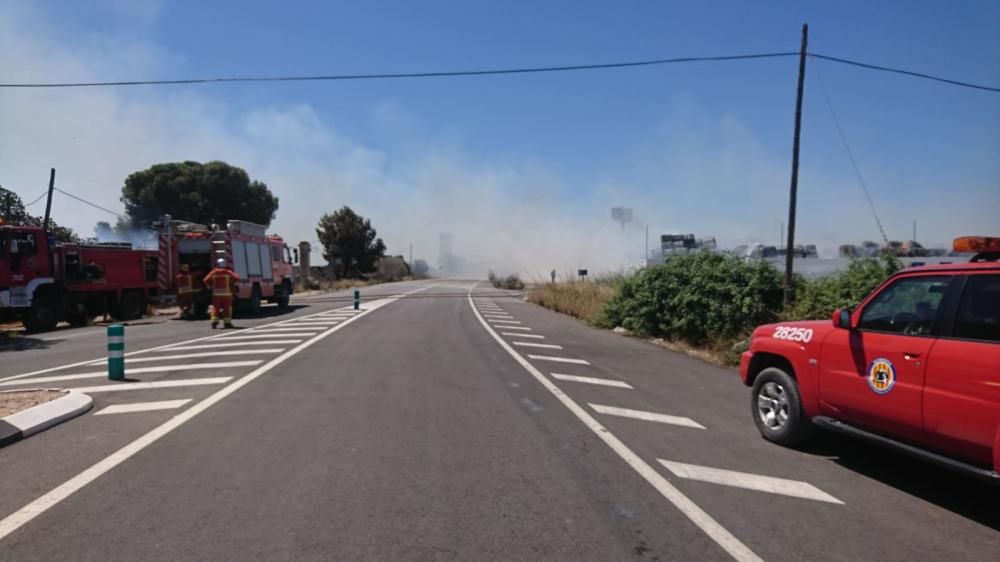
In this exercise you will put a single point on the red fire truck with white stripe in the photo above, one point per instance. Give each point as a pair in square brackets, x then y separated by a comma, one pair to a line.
[262, 261]
[44, 282]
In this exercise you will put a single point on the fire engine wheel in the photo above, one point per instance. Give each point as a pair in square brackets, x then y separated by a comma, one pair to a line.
[43, 315]
[777, 408]
[130, 306]
[282, 295]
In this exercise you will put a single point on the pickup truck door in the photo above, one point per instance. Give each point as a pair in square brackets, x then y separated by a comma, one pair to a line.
[873, 374]
[962, 396]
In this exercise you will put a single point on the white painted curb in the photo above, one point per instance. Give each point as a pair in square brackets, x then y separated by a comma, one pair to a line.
[43, 416]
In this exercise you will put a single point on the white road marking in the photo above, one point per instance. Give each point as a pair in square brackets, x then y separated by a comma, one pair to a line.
[128, 371]
[769, 484]
[646, 416]
[559, 359]
[204, 354]
[503, 322]
[143, 407]
[42, 504]
[505, 316]
[536, 336]
[265, 336]
[150, 385]
[151, 349]
[697, 515]
[532, 344]
[310, 323]
[235, 344]
[592, 380]
[285, 329]
[513, 327]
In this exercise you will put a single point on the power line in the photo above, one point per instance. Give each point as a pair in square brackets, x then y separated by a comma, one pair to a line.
[905, 72]
[94, 205]
[37, 199]
[381, 76]
[850, 154]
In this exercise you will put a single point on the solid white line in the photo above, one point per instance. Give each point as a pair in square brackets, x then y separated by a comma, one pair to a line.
[592, 380]
[769, 484]
[513, 327]
[143, 407]
[646, 416]
[321, 323]
[542, 345]
[204, 354]
[536, 336]
[281, 335]
[128, 371]
[697, 515]
[40, 505]
[150, 385]
[236, 344]
[559, 359]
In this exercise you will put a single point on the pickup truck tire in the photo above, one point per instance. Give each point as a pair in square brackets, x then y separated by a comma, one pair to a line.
[777, 408]
[42, 316]
[281, 294]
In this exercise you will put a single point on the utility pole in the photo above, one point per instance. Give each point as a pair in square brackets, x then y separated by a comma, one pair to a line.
[782, 237]
[48, 202]
[645, 256]
[411, 256]
[793, 191]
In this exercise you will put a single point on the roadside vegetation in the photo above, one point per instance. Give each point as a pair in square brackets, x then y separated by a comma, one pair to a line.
[707, 304]
[510, 282]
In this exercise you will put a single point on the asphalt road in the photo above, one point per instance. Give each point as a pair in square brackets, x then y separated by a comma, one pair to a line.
[440, 423]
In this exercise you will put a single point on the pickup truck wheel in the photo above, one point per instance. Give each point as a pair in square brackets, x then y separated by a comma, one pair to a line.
[281, 295]
[43, 315]
[777, 408]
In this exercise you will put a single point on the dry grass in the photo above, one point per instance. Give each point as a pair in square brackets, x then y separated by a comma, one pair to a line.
[581, 299]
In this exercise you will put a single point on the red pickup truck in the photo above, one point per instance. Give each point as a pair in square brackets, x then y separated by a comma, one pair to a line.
[915, 366]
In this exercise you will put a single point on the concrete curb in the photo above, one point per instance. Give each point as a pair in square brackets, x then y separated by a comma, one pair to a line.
[26, 423]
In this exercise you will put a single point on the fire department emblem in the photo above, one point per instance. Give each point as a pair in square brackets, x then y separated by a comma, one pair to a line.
[881, 375]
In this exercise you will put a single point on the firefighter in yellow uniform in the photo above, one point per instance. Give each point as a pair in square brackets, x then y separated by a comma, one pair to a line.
[186, 290]
[221, 280]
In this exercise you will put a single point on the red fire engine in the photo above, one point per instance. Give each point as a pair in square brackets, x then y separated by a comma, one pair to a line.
[263, 262]
[43, 282]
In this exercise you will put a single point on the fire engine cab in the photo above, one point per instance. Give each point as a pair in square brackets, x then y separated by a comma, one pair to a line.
[915, 366]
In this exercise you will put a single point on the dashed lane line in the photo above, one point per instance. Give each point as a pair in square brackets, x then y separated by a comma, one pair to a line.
[143, 407]
[746, 480]
[151, 385]
[555, 359]
[286, 329]
[541, 345]
[514, 328]
[138, 370]
[726, 540]
[592, 380]
[646, 416]
[535, 336]
[502, 322]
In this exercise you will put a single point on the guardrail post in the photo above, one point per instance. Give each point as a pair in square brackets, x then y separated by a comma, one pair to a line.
[116, 352]
[357, 298]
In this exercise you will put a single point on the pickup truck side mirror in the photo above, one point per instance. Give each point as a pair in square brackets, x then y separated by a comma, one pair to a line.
[295, 251]
[842, 318]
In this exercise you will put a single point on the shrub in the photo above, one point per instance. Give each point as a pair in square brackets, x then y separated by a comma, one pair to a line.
[818, 298]
[697, 298]
[511, 282]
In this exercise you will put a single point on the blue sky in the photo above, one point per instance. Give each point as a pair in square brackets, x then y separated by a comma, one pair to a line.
[695, 147]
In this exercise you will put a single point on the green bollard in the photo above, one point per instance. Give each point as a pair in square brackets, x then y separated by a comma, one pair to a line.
[357, 298]
[116, 352]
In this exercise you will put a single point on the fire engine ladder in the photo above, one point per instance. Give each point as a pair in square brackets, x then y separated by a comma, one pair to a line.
[219, 248]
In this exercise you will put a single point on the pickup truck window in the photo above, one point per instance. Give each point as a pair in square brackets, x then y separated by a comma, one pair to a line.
[909, 306]
[979, 309]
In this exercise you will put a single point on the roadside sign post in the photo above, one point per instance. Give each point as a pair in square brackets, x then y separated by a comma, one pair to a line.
[116, 352]
[357, 298]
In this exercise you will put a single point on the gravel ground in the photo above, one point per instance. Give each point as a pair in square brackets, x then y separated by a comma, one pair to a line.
[13, 401]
